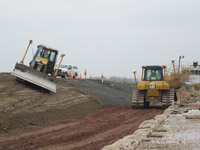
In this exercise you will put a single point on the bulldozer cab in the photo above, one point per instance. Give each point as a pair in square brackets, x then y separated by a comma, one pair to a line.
[44, 59]
[153, 73]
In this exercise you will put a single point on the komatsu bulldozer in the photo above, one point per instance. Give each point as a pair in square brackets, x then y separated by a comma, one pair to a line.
[41, 68]
[157, 87]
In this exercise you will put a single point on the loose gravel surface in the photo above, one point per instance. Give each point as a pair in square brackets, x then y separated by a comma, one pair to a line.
[108, 93]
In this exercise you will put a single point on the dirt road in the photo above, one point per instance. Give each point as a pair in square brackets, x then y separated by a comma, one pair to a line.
[90, 132]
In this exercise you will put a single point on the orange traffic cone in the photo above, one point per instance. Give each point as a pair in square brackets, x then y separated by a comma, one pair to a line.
[80, 77]
[102, 76]
[70, 75]
[85, 73]
[90, 77]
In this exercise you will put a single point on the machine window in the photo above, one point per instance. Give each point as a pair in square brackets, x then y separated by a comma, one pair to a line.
[153, 75]
[39, 52]
[64, 66]
[46, 54]
[75, 67]
[70, 67]
[52, 56]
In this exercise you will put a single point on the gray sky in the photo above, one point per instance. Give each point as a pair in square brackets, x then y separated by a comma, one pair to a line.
[109, 36]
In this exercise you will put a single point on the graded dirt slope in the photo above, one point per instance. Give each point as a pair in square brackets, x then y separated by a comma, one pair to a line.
[23, 104]
[91, 132]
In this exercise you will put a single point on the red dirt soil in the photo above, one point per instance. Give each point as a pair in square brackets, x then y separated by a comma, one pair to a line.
[191, 106]
[91, 132]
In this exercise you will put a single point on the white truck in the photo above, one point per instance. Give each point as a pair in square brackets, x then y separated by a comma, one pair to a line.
[65, 71]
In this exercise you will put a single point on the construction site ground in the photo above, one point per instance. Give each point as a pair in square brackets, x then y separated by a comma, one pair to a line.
[83, 114]
[23, 104]
[179, 131]
[108, 93]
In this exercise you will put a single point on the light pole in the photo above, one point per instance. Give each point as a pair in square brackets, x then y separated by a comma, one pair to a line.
[179, 78]
[179, 66]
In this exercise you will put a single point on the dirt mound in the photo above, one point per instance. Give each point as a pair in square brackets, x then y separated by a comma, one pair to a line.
[91, 132]
[23, 104]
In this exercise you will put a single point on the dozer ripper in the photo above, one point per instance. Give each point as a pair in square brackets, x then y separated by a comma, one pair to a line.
[157, 87]
[41, 68]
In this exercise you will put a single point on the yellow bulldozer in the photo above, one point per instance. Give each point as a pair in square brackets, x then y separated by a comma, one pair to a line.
[157, 88]
[41, 68]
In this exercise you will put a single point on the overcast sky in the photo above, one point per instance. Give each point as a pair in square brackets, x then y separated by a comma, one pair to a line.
[109, 36]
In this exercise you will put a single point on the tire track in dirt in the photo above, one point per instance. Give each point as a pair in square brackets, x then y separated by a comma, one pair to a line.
[91, 132]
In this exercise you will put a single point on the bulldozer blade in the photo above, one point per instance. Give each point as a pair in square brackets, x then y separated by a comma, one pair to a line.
[33, 76]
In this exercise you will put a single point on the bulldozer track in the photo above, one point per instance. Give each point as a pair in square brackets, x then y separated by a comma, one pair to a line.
[137, 99]
[167, 98]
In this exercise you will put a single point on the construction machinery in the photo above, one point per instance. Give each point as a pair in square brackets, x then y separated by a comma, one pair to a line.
[41, 68]
[157, 88]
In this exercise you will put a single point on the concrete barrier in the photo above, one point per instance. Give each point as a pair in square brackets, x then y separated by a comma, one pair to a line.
[146, 128]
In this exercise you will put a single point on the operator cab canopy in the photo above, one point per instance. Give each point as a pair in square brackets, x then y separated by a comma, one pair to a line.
[153, 73]
[44, 52]
[47, 52]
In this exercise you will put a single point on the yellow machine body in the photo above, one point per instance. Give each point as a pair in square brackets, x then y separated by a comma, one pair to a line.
[153, 89]
[156, 88]
[149, 85]
[43, 61]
